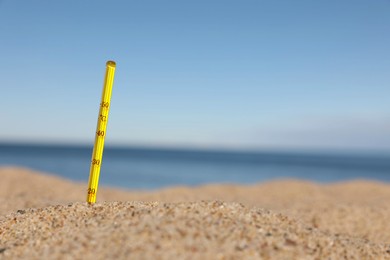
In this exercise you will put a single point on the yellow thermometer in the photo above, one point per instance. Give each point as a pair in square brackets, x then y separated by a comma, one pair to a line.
[97, 153]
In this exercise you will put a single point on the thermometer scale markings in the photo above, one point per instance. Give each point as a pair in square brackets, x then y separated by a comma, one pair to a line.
[97, 153]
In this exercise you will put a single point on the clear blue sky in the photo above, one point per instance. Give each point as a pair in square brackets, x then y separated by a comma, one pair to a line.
[210, 74]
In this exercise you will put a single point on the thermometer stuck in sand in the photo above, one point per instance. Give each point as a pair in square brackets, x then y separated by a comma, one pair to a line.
[97, 153]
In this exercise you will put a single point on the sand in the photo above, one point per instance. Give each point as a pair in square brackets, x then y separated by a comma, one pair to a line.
[45, 217]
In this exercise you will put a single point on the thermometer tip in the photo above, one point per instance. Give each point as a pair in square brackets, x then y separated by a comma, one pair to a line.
[111, 63]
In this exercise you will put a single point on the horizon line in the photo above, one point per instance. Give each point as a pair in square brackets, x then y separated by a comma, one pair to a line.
[216, 148]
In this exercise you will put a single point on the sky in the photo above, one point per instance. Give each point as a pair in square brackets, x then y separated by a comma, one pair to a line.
[202, 74]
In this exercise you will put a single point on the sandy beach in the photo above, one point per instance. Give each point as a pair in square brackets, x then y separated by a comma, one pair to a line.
[45, 217]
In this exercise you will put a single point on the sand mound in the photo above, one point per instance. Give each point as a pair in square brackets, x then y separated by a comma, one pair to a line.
[286, 219]
[199, 230]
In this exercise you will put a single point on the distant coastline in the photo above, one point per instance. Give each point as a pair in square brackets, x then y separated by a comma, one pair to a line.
[154, 168]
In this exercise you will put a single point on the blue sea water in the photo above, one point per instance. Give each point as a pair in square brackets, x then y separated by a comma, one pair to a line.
[146, 168]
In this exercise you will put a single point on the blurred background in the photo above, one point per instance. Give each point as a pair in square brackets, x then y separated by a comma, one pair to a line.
[204, 92]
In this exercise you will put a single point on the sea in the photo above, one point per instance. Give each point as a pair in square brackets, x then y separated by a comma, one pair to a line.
[154, 168]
